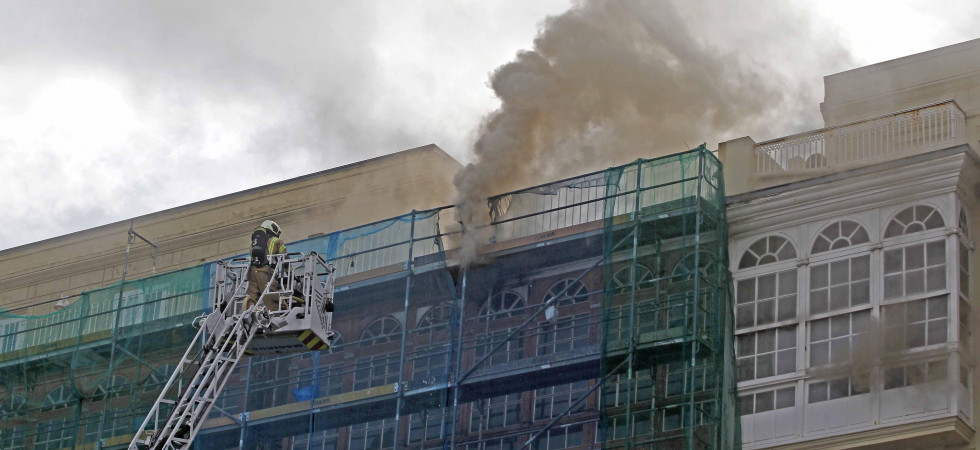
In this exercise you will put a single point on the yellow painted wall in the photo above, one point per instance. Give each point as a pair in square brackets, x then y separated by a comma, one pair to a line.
[945, 73]
[34, 274]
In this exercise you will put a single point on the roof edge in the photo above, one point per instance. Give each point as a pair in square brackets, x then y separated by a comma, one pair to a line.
[433, 148]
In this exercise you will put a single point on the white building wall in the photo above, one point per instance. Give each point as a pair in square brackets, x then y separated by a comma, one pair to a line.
[849, 321]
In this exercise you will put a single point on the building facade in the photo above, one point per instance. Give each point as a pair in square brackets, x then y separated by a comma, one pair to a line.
[852, 262]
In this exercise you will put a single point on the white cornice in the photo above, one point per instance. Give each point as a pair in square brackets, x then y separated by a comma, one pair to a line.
[895, 181]
[925, 434]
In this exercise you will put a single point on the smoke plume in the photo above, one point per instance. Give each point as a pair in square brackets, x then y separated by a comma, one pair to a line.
[610, 81]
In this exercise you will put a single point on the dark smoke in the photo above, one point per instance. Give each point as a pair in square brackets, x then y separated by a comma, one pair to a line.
[610, 81]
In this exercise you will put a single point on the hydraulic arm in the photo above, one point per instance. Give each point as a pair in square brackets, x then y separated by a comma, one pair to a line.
[294, 314]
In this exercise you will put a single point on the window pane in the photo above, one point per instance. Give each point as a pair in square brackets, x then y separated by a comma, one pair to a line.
[832, 232]
[766, 341]
[916, 311]
[819, 354]
[574, 436]
[840, 326]
[915, 335]
[787, 308]
[818, 302]
[839, 297]
[861, 267]
[764, 401]
[785, 398]
[819, 330]
[767, 286]
[936, 279]
[893, 286]
[859, 321]
[937, 332]
[744, 316]
[746, 290]
[820, 245]
[893, 229]
[915, 282]
[937, 307]
[746, 371]
[786, 361]
[818, 392]
[786, 252]
[893, 261]
[787, 337]
[787, 282]
[934, 221]
[766, 312]
[894, 377]
[936, 252]
[746, 344]
[860, 293]
[765, 365]
[818, 276]
[860, 237]
[914, 257]
[672, 419]
[914, 374]
[745, 404]
[839, 388]
[839, 271]
[840, 349]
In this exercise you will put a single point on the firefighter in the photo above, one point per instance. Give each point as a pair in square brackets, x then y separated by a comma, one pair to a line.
[265, 242]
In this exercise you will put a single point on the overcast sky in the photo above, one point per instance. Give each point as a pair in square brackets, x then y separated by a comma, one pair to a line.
[110, 110]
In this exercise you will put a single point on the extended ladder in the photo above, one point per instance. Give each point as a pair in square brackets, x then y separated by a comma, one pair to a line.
[224, 339]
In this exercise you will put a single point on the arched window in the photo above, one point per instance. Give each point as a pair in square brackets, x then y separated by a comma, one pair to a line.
[684, 270]
[569, 291]
[156, 379]
[507, 303]
[381, 330]
[58, 398]
[838, 235]
[620, 281]
[913, 220]
[11, 404]
[109, 387]
[767, 250]
[437, 317]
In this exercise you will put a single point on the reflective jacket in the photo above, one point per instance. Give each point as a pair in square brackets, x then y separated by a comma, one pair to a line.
[264, 243]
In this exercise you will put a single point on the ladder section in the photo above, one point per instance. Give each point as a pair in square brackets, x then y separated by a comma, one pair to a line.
[212, 367]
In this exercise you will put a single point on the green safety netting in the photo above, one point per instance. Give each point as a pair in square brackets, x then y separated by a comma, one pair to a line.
[89, 371]
[604, 309]
[389, 367]
[667, 353]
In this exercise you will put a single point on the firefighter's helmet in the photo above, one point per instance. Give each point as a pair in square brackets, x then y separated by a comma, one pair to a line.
[273, 227]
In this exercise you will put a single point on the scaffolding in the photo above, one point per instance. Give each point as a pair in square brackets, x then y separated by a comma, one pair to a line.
[600, 318]
[667, 351]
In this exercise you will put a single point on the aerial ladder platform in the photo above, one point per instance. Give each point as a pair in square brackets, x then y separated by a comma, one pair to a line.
[294, 314]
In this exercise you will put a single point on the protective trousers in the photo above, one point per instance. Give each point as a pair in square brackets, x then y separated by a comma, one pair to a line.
[258, 279]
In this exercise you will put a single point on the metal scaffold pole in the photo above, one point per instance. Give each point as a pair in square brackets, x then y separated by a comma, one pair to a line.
[459, 359]
[409, 267]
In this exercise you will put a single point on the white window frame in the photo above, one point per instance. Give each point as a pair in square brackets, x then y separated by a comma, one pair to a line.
[778, 352]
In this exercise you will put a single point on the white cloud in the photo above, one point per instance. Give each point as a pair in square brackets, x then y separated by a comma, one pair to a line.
[109, 110]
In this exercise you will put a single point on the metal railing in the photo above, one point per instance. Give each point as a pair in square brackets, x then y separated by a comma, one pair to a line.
[915, 130]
